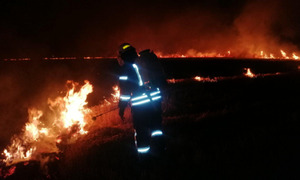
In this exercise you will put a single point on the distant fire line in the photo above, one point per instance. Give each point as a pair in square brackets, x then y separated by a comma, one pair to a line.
[248, 74]
[281, 55]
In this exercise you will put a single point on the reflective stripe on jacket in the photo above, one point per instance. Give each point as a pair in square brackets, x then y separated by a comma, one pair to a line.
[132, 89]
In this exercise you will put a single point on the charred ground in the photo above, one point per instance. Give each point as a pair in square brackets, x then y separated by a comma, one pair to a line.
[239, 128]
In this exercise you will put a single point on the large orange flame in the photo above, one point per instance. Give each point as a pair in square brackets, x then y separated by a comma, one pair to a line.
[69, 118]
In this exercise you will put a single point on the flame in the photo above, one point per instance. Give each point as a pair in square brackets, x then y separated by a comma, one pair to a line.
[193, 53]
[264, 55]
[295, 56]
[261, 54]
[73, 111]
[42, 133]
[197, 78]
[221, 78]
[284, 54]
[116, 94]
[205, 79]
[249, 73]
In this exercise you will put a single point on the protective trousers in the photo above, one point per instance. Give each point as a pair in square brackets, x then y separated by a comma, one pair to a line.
[147, 122]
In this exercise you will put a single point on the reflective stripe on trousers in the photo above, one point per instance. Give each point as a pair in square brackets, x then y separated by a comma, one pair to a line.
[156, 133]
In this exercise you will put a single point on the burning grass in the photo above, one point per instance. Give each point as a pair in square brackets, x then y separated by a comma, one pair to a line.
[234, 133]
[65, 121]
[236, 127]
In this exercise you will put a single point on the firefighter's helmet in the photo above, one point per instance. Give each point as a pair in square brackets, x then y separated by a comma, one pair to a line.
[125, 47]
[127, 52]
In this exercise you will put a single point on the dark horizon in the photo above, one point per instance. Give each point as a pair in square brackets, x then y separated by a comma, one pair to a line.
[31, 28]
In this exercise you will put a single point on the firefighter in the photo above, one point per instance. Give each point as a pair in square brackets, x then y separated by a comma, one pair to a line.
[145, 102]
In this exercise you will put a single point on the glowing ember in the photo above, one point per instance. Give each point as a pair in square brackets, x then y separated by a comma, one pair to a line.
[8, 172]
[205, 79]
[197, 78]
[69, 118]
[249, 73]
[172, 81]
[58, 140]
[60, 58]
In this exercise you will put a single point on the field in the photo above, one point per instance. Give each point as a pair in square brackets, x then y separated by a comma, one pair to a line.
[234, 128]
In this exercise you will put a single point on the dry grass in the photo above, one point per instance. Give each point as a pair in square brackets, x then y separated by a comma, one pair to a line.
[233, 129]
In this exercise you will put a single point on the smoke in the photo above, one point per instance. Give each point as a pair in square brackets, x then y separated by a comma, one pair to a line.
[256, 30]
[245, 32]
[25, 85]
[96, 28]
[10, 108]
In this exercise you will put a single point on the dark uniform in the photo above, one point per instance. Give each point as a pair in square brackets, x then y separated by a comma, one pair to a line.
[145, 105]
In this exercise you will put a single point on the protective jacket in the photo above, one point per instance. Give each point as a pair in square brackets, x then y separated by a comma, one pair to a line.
[132, 89]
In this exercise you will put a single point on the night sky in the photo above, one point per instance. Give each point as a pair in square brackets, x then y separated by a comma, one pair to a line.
[39, 28]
